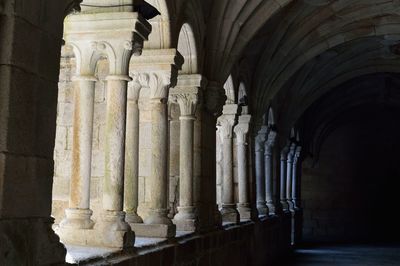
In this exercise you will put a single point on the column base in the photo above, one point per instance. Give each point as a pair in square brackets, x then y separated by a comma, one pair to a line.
[229, 213]
[154, 230]
[77, 219]
[285, 206]
[157, 224]
[262, 209]
[186, 219]
[271, 208]
[245, 212]
[290, 205]
[111, 232]
[133, 217]
[114, 231]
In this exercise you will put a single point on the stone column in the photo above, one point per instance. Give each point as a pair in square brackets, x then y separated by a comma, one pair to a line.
[269, 197]
[225, 123]
[186, 94]
[77, 216]
[131, 182]
[241, 131]
[284, 203]
[289, 176]
[159, 150]
[260, 171]
[295, 198]
[159, 69]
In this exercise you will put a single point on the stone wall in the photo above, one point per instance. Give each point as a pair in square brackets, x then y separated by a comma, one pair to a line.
[352, 188]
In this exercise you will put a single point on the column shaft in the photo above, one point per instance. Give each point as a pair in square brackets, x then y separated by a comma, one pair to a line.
[131, 184]
[159, 163]
[186, 161]
[269, 180]
[289, 175]
[242, 174]
[227, 181]
[79, 213]
[115, 145]
[283, 165]
[260, 175]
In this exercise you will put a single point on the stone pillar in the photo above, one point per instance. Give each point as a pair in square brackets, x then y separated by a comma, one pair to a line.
[260, 170]
[269, 197]
[110, 230]
[296, 200]
[284, 203]
[241, 131]
[289, 176]
[186, 94]
[131, 182]
[160, 67]
[225, 123]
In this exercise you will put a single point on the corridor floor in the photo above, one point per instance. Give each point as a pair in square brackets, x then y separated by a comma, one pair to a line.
[347, 255]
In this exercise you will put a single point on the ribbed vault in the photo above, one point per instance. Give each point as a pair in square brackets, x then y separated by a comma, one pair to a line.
[310, 47]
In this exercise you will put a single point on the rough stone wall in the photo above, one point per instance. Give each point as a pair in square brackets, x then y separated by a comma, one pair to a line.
[354, 182]
[30, 41]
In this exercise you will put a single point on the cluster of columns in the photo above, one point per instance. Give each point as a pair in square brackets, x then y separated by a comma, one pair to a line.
[111, 229]
[229, 124]
[290, 155]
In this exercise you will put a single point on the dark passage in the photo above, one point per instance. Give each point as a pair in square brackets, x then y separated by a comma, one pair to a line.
[346, 255]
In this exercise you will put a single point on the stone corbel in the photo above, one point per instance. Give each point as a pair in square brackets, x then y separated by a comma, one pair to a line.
[214, 98]
[72, 7]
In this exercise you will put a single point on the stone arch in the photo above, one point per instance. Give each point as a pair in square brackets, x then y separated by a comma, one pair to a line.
[187, 47]
[230, 90]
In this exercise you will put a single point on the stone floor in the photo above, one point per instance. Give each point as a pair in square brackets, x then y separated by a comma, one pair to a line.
[346, 255]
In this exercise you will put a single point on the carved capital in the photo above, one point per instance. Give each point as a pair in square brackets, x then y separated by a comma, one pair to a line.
[242, 129]
[260, 139]
[297, 154]
[284, 153]
[90, 34]
[291, 153]
[134, 88]
[270, 143]
[225, 125]
[187, 99]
